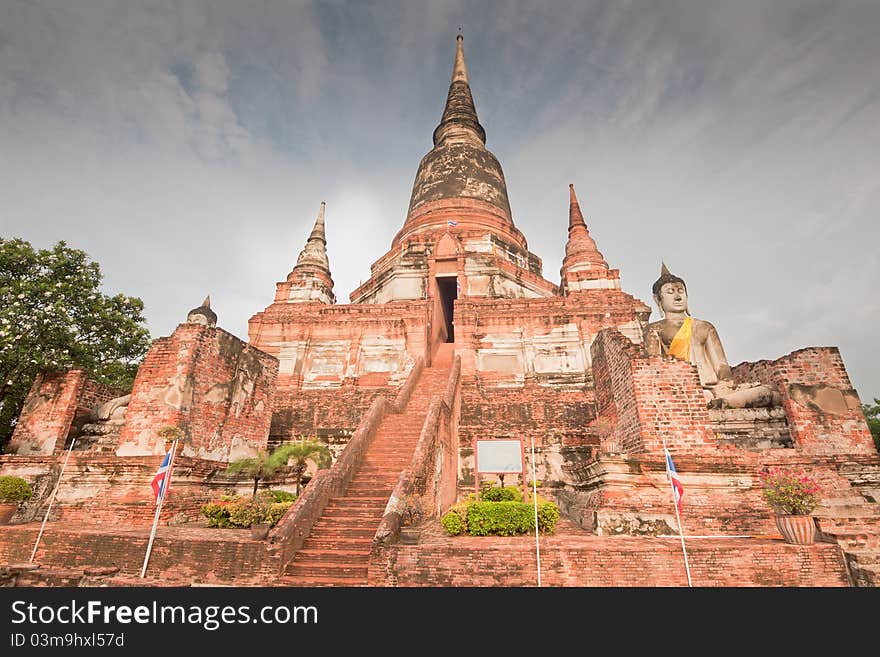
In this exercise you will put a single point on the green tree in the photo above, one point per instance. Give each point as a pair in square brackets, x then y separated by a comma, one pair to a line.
[872, 415]
[264, 465]
[298, 455]
[294, 456]
[54, 316]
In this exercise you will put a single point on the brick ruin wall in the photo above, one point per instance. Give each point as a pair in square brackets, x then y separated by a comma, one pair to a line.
[610, 562]
[233, 559]
[823, 410]
[558, 421]
[98, 490]
[330, 414]
[217, 388]
[56, 403]
[646, 400]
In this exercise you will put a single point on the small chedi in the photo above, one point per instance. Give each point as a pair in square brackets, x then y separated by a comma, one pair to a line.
[456, 336]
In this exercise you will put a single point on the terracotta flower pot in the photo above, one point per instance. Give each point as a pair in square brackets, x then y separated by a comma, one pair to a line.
[7, 510]
[799, 530]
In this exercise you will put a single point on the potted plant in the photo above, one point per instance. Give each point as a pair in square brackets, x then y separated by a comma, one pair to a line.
[792, 494]
[13, 491]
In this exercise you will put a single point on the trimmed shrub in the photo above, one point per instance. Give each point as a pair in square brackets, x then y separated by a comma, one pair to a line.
[235, 511]
[460, 510]
[281, 496]
[275, 511]
[499, 518]
[505, 518]
[548, 515]
[452, 523]
[498, 494]
[14, 489]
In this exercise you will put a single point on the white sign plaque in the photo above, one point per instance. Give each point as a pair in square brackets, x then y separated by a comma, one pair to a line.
[497, 456]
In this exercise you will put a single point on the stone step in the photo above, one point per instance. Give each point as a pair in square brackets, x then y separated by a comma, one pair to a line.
[864, 557]
[372, 492]
[310, 581]
[317, 556]
[341, 571]
[355, 513]
[338, 543]
[847, 511]
[331, 529]
[378, 499]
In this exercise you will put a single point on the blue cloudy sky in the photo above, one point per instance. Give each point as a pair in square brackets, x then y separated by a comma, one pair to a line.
[186, 146]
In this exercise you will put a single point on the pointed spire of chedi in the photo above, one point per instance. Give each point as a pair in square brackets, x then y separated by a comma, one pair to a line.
[584, 267]
[459, 122]
[310, 279]
[459, 170]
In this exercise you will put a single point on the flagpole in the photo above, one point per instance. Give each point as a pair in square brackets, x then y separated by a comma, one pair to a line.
[51, 501]
[535, 500]
[166, 483]
[677, 517]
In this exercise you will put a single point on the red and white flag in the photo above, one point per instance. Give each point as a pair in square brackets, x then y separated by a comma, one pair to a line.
[677, 488]
[162, 476]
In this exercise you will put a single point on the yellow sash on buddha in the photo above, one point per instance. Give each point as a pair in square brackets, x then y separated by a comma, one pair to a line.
[680, 347]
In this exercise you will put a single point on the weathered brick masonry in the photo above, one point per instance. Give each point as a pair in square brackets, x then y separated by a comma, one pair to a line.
[823, 410]
[56, 403]
[211, 384]
[570, 559]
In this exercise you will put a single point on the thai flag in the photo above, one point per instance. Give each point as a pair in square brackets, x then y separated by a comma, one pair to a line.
[677, 488]
[161, 476]
[451, 223]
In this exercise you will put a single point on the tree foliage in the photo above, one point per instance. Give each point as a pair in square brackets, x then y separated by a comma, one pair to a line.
[872, 415]
[294, 456]
[299, 454]
[53, 315]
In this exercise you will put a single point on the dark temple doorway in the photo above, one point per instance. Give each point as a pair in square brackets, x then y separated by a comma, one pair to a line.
[448, 286]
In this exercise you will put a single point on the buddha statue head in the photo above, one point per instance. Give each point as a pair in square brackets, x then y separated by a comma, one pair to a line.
[670, 292]
[203, 314]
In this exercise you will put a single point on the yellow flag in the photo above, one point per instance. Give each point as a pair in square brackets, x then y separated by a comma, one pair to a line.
[680, 347]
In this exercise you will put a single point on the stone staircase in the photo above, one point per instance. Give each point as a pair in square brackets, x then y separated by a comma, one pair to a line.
[338, 549]
[854, 524]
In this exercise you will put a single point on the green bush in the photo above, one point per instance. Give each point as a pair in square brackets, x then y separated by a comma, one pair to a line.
[548, 515]
[460, 511]
[281, 496]
[452, 523]
[236, 511]
[500, 518]
[498, 494]
[275, 511]
[505, 518]
[14, 489]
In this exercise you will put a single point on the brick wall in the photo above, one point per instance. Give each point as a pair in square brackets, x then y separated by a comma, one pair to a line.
[47, 413]
[613, 561]
[823, 410]
[322, 346]
[618, 417]
[179, 554]
[645, 400]
[328, 413]
[56, 401]
[112, 491]
[217, 388]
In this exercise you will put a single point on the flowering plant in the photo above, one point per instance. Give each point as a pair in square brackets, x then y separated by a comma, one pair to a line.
[790, 492]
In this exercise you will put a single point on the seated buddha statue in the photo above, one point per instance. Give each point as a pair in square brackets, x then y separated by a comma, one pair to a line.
[696, 341]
